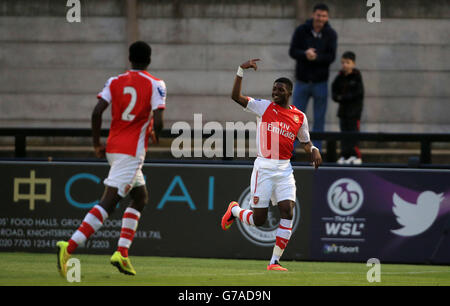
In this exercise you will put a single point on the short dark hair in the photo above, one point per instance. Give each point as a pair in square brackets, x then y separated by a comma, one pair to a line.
[140, 53]
[321, 7]
[349, 55]
[285, 81]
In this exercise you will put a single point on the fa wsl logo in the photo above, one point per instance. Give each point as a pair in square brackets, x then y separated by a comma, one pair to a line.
[345, 197]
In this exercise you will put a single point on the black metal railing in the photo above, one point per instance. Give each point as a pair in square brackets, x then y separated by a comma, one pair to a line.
[425, 140]
[331, 138]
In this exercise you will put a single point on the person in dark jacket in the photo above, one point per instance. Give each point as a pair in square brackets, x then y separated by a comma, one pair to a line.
[348, 90]
[313, 46]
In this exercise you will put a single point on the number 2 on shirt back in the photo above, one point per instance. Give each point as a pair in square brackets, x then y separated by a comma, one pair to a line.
[126, 116]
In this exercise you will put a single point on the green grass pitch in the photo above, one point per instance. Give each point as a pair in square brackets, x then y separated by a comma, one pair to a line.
[40, 269]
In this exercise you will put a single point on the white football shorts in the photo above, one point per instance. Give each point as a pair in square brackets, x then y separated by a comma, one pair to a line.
[125, 172]
[271, 180]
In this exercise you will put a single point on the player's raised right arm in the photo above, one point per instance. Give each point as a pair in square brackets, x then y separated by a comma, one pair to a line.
[237, 86]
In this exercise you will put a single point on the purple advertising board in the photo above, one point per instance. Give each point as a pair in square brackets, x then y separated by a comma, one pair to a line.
[395, 215]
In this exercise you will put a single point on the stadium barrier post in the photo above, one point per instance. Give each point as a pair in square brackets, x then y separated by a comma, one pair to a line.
[20, 146]
[425, 152]
[331, 151]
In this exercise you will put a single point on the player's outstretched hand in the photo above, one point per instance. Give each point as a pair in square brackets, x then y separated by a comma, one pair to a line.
[100, 151]
[251, 64]
[316, 158]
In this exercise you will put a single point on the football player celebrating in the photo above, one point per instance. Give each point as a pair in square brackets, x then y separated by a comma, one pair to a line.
[133, 97]
[279, 124]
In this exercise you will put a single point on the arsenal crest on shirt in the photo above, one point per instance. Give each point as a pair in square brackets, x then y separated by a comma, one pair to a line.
[296, 118]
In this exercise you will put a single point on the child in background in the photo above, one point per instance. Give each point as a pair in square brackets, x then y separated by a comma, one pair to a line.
[348, 91]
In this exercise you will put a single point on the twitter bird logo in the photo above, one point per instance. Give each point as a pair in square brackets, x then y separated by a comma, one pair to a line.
[416, 218]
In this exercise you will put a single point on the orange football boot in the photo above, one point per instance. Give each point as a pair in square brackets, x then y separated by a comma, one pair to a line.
[228, 217]
[276, 267]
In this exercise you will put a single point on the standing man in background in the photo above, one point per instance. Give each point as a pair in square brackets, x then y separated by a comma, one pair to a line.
[313, 46]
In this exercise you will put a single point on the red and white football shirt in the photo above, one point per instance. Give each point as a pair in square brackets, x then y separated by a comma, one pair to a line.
[132, 95]
[278, 128]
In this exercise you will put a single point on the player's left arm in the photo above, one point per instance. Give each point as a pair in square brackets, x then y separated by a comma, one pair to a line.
[158, 122]
[158, 103]
[96, 123]
[303, 136]
[316, 158]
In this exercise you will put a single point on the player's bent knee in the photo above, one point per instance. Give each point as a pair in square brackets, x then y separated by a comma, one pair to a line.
[259, 216]
[259, 221]
[288, 216]
[139, 205]
[286, 209]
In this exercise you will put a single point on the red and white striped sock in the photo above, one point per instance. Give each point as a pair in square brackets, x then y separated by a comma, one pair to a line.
[283, 235]
[129, 225]
[91, 223]
[245, 215]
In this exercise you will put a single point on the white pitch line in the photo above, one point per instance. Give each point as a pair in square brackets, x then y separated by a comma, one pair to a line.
[415, 272]
[363, 272]
[324, 272]
[243, 274]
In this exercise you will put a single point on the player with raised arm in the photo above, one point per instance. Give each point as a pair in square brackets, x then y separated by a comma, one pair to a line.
[279, 124]
[134, 96]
